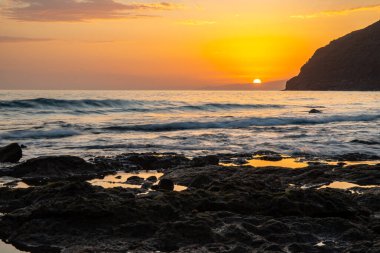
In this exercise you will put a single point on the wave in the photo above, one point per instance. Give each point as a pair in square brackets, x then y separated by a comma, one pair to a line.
[227, 106]
[242, 123]
[39, 134]
[81, 106]
[41, 103]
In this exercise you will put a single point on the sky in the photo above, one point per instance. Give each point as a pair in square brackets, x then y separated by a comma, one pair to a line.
[167, 44]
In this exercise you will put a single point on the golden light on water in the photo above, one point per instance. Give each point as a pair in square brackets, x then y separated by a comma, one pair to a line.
[257, 81]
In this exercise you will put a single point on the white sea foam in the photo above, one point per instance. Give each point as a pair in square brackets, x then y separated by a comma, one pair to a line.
[244, 123]
[191, 122]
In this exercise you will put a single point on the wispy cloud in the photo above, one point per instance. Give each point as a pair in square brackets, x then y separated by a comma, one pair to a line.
[10, 39]
[196, 22]
[80, 10]
[330, 13]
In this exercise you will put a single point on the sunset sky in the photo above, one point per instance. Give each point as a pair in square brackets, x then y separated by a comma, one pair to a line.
[179, 44]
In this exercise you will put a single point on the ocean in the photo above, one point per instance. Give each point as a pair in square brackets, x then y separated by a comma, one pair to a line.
[97, 123]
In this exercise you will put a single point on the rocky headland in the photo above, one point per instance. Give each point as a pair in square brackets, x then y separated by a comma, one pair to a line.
[225, 205]
[349, 63]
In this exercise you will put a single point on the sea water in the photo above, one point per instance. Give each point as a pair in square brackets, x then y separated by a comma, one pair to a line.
[92, 123]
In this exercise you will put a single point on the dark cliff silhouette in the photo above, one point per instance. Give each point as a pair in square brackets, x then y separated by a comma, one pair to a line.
[349, 63]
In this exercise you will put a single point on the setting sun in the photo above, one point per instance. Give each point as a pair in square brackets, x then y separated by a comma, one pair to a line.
[257, 81]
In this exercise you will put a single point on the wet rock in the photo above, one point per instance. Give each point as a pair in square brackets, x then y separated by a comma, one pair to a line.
[156, 161]
[53, 168]
[11, 153]
[152, 179]
[315, 111]
[200, 181]
[147, 185]
[165, 185]
[226, 209]
[145, 161]
[273, 157]
[135, 180]
[356, 157]
[241, 160]
[205, 160]
[180, 233]
[265, 152]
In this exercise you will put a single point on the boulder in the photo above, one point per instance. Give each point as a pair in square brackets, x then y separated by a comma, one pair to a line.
[152, 179]
[54, 168]
[165, 185]
[146, 185]
[135, 180]
[11, 153]
[315, 111]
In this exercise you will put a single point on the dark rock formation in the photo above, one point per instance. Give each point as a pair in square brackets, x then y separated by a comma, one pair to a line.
[135, 180]
[274, 157]
[315, 111]
[53, 168]
[164, 184]
[11, 153]
[134, 162]
[155, 161]
[225, 209]
[357, 157]
[349, 63]
[205, 160]
[200, 181]
[152, 179]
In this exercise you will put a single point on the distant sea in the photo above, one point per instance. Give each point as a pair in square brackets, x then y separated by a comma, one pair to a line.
[92, 123]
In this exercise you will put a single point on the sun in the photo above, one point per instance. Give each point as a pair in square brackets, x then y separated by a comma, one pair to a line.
[257, 81]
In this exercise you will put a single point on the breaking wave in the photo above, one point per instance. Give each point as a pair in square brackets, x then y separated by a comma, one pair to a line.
[39, 134]
[92, 105]
[242, 123]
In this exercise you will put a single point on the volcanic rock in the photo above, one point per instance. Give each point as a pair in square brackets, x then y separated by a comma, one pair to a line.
[11, 153]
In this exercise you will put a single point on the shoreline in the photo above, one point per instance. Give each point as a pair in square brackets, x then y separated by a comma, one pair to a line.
[223, 204]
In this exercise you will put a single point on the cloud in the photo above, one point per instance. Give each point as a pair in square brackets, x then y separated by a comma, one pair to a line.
[10, 39]
[331, 13]
[79, 10]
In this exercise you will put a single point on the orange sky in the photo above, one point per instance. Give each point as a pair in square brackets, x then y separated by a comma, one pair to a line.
[121, 44]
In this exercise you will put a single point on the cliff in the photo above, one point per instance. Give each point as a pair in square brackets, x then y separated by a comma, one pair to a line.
[348, 63]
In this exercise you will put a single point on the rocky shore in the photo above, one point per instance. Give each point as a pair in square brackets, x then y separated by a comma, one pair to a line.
[225, 205]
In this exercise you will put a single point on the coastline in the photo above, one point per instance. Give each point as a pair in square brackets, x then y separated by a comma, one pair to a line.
[224, 204]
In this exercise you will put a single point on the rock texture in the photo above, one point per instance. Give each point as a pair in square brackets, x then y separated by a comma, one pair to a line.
[54, 168]
[225, 209]
[349, 63]
[11, 153]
